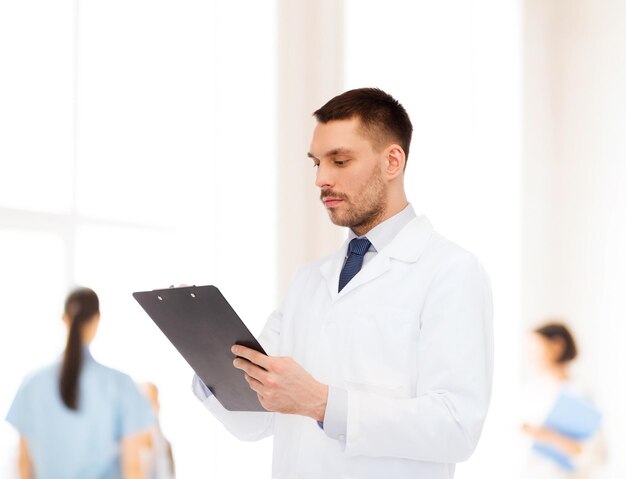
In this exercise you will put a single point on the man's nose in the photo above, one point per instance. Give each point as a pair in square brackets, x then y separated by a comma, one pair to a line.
[323, 177]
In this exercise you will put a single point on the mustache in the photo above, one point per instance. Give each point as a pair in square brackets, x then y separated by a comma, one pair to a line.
[332, 194]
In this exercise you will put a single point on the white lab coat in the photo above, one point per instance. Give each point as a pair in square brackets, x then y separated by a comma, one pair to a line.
[409, 337]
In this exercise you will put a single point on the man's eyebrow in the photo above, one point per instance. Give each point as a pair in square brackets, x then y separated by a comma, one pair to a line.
[333, 152]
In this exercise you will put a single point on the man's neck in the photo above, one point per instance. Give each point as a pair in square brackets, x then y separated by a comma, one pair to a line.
[389, 213]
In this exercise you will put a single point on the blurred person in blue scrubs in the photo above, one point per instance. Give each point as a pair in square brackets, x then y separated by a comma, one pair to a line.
[77, 418]
[552, 351]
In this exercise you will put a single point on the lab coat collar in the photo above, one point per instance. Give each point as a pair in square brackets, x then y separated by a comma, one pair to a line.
[407, 247]
[409, 244]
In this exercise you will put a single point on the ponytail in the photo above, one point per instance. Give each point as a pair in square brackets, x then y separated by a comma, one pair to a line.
[80, 307]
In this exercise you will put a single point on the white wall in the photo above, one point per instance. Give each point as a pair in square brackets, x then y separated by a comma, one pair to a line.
[574, 188]
[310, 72]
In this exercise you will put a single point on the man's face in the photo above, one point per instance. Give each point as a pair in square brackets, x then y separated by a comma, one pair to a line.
[349, 175]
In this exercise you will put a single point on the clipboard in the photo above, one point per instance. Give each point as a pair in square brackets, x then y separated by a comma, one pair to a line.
[203, 327]
[572, 416]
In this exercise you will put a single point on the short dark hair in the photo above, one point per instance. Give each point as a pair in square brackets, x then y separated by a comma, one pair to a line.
[560, 332]
[381, 115]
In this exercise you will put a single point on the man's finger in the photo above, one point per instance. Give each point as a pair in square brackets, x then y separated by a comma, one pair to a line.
[251, 355]
[250, 369]
[254, 384]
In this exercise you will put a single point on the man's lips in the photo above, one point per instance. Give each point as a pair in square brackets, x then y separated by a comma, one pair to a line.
[330, 202]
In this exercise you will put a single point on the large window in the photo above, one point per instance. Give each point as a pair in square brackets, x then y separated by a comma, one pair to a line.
[137, 151]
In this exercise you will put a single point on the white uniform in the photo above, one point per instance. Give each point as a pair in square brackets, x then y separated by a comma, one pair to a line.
[409, 341]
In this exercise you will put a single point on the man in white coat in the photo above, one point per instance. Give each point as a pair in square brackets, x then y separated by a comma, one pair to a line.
[380, 358]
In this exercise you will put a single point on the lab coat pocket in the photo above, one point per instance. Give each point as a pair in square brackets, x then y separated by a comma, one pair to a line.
[377, 347]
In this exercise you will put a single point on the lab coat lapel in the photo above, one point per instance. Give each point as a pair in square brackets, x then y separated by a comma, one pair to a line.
[379, 265]
[331, 268]
[407, 246]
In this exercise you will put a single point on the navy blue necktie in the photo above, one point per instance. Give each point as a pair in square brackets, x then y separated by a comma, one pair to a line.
[356, 252]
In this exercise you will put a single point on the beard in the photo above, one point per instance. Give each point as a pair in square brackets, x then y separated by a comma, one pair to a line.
[364, 210]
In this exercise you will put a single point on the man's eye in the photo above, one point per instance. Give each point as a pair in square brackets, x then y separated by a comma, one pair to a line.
[340, 162]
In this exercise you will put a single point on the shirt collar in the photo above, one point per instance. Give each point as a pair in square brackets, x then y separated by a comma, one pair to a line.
[87, 354]
[384, 233]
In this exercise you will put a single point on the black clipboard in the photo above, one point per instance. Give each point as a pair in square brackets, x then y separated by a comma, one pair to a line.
[203, 327]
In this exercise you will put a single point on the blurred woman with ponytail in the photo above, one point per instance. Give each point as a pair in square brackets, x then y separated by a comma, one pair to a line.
[77, 418]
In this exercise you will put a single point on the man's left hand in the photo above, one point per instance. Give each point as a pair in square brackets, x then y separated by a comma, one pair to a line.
[282, 384]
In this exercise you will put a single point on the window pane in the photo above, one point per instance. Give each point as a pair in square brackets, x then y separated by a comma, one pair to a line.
[246, 160]
[147, 108]
[36, 102]
[33, 287]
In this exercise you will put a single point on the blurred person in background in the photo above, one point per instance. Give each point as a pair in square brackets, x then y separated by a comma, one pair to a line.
[157, 457]
[77, 418]
[556, 401]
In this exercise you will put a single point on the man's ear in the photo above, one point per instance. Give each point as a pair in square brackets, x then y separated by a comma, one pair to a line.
[396, 159]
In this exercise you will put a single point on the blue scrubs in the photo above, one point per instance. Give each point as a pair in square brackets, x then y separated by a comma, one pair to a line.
[85, 443]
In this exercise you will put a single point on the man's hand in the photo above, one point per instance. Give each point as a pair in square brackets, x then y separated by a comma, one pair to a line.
[282, 384]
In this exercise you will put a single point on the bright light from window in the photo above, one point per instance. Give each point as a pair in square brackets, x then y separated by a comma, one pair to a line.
[36, 105]
[174, 172]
